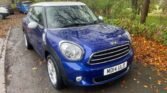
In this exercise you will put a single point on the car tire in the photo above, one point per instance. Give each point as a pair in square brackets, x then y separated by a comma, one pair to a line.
[20, 11]
[26, 41]
[54, 73]
[12, 13]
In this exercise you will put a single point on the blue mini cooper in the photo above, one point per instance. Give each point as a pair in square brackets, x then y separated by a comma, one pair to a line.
[79, 48]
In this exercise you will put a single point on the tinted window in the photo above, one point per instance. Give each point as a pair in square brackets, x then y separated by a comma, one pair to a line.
[36, 14]
[63, 16]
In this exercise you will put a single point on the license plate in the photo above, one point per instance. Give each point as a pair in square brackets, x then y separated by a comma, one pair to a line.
[114, 69]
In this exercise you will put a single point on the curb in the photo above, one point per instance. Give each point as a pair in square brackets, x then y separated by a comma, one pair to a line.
[2, 64]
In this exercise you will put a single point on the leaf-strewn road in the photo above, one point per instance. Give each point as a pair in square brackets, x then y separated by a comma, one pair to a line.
[26, 73]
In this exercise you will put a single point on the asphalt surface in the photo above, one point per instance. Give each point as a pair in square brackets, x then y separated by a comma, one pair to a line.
[27, 73]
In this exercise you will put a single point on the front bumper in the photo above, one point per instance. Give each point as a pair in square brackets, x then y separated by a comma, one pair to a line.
[5, 14]
[80, 74]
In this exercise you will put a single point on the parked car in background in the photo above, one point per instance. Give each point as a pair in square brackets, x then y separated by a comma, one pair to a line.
[79, 48]
[9, 7]
[23, 6]
[4, 11]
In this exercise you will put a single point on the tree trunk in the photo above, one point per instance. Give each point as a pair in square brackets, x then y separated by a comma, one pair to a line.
[134, 8]
[144, 11]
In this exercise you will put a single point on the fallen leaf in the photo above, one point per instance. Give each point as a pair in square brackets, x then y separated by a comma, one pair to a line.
[138, 82]
[34, 68]
[150, 78]
[145, 86]
[159, 82]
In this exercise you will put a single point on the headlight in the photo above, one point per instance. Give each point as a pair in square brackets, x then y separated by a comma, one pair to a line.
[128, 35]
[71, 51]
[3, 10]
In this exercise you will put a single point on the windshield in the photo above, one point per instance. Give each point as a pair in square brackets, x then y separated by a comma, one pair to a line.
[26, 3]
[68, 16]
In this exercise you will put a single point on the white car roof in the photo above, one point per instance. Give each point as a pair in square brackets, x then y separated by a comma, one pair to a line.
[57, 4]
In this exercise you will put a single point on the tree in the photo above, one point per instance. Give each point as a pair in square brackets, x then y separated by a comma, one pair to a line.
[144, 12]
[163, 5]
[134, 8]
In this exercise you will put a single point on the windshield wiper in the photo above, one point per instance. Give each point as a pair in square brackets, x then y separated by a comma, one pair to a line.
[75, 24]
[82, 24]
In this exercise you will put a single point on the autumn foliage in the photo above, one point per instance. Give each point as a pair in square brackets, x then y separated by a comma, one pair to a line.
[11, 21]
[150, 53]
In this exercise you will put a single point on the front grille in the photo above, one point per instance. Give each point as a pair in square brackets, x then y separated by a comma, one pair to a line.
[110, 54]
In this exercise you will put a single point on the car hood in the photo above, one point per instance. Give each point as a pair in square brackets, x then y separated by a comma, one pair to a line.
[95, 37]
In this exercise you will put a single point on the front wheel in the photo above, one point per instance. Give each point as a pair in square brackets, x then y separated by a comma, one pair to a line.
[54, 73]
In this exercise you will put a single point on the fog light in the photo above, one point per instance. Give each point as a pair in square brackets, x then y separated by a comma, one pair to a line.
[79, 78]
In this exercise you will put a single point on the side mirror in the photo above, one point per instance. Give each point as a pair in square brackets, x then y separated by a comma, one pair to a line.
[101, 18]
[32, 25]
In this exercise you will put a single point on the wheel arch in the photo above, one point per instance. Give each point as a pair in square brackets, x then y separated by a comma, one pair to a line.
[46, 54]
[50, 51]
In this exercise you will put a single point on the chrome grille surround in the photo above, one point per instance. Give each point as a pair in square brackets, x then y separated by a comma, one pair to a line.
[108, 54]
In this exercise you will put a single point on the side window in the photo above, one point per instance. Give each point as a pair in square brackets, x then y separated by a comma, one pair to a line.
[36, 14]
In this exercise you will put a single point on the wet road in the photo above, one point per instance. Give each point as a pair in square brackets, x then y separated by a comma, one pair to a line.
[26, 73]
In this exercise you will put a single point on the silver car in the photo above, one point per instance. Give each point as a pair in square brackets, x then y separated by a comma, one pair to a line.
[4, 11]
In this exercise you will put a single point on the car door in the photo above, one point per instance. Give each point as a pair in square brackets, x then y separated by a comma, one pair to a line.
[37, 15]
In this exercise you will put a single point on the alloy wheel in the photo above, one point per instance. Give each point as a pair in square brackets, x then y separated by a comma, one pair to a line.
[52, 72]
